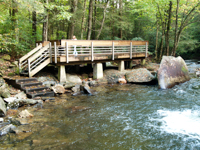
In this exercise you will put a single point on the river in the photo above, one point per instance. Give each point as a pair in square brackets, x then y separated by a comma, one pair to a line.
[119, 117]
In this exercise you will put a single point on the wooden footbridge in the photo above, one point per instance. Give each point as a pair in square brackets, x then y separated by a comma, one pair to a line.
[71, 52]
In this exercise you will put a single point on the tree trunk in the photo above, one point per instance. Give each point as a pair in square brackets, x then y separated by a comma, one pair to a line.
[90, 20]
[13, 10]
[83, 20]
[162, 41]
[176, 30]
[156, 48]
[104, 16]
[72, 20]
[168, 27]
[120, 15]
[94, 21]
[45, 25]
[34, 25]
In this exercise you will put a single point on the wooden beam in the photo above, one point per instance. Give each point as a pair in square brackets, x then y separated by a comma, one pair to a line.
[50, 52]
[113, 51]
[67, 55]
[101, 42]
[146, 50]
[92, 52]
[55, 52]
[29, 68]
[131, 50]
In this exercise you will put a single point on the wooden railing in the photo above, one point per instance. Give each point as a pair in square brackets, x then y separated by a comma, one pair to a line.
[93, 48]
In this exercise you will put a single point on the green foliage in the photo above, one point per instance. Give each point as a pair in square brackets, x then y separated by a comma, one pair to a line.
[137, 39]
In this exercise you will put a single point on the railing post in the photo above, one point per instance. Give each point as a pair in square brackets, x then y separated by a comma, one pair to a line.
[131, 50]
[146, 51]
[67, 58]
[50, 52]
[113, 51]
[55, 52]
[36, 44]
[29, 68]
[92, 52]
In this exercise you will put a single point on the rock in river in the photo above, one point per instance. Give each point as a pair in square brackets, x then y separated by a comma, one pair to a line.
[172, 71]
[140, 75]
[2, 107]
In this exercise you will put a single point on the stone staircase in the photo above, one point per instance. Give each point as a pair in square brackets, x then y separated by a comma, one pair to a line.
[31, 86]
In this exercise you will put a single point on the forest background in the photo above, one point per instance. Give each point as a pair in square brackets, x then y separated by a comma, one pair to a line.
[172, 27]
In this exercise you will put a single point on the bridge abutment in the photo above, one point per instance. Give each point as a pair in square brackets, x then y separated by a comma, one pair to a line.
[62, 74]
[98, 71]
[121, 66]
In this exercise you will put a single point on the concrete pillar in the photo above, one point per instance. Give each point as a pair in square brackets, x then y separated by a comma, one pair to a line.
[121, 66]
[61, 74]
[98, 71]
[143, 61]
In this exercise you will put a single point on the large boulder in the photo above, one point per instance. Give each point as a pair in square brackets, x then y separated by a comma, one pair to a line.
[2, 107]
[4, 91]
[112, 76]
[172, 71]
[141, 75]
[73, 79]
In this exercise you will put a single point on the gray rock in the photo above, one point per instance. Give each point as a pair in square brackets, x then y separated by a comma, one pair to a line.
[76, 88]
[73, 79]
[7, 129]
[15, 103]
[22, 129]
[4, 92]
[58, 88]
[25, 114]
[68, 85]
[141, 75]
[172, 71]
[21, 95]
[112, 76]
[2, 107]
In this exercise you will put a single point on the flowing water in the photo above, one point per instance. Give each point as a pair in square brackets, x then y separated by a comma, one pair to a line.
[119, 117]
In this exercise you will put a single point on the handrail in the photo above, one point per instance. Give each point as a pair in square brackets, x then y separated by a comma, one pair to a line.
[39, 53]
[30, 53]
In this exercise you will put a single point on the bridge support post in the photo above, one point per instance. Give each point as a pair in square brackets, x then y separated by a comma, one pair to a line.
[98, 71]
[62, 74]
[121, 66]
[143, 61]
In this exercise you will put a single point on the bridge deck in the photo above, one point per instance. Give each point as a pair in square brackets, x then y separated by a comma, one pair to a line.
[82, 51]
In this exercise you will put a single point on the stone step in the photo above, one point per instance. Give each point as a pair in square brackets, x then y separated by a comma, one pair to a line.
[40, 94]
[32, 87]
[35, 88]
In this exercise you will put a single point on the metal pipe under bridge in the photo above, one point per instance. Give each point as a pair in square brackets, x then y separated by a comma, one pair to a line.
[72, 52]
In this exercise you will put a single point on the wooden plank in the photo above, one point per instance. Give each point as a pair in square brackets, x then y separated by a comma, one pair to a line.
[92, 52]
[131, 50]
[55, 53]
[29, 68]
[36, 55]
[30, 53]
[67, 55]
[101, 42]
[38, 68]
[113, 51]
[50, 52]
[146, 50]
